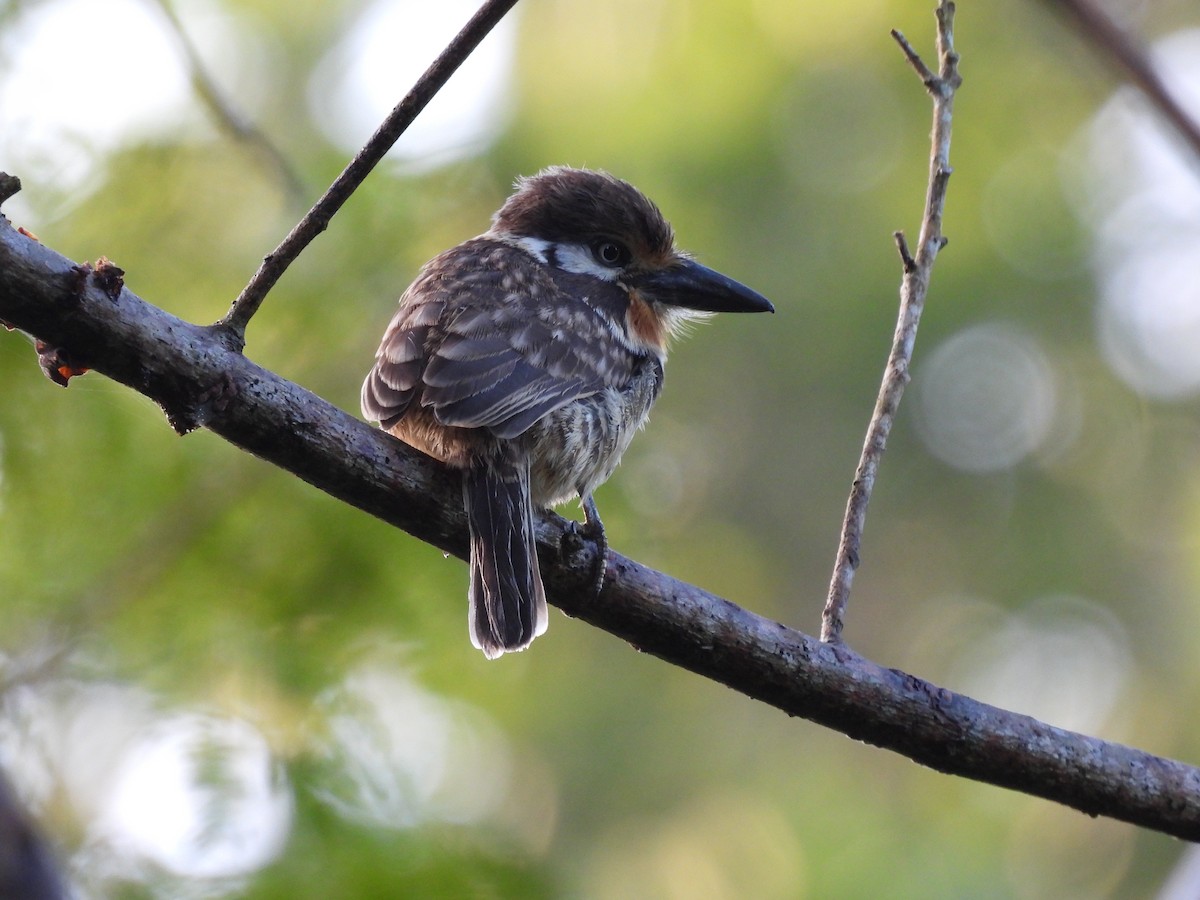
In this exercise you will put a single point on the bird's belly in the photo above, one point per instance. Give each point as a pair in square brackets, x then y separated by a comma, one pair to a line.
[576, 448]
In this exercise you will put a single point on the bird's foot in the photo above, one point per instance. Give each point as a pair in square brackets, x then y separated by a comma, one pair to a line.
[592, 530]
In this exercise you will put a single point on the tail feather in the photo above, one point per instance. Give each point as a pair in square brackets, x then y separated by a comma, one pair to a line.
[507, 600]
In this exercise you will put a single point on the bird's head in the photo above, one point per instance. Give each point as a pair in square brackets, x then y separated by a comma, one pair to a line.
[590, 223]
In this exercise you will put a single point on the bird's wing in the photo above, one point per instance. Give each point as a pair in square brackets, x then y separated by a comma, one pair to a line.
[487, 338]
[394, 380]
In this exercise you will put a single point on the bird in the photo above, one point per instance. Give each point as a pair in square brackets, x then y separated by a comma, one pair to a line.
[528, 357]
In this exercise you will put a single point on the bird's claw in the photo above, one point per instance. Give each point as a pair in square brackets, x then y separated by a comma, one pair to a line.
[591, 529]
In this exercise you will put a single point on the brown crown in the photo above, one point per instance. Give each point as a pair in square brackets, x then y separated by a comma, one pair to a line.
[567, 205]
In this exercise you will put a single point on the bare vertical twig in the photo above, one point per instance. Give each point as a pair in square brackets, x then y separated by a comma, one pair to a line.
[317, 219]
[227, 115]
[941, 86]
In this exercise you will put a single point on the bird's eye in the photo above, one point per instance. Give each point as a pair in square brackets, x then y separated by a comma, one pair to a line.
[610, 253]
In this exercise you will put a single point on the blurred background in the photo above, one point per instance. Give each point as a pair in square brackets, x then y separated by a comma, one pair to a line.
[216, 681]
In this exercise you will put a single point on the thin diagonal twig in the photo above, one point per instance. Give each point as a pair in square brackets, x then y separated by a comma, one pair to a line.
[227, 116]
[913, 288]
[1132, 58]
[317, 219]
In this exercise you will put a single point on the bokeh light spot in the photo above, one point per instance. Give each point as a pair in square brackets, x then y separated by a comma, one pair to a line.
[403, 756]
[1062, 659]
[986, 399]
[1146, 199]
[379, 59]
[201, 796]
[1029, 221]
[81, 80]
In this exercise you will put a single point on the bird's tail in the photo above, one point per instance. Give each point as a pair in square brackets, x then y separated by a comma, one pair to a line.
[507, 600]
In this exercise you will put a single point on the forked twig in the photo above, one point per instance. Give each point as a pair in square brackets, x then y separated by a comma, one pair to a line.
[913, 288]
[317, 219]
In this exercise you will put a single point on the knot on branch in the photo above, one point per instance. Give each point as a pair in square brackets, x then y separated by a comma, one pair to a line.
[57, 363]
[230, 335]
[110, 278]
[9, 185]
[196, 412]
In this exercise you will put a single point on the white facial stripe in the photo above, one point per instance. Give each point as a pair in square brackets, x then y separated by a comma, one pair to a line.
[535, 246]
[578, 258]
[574, 258]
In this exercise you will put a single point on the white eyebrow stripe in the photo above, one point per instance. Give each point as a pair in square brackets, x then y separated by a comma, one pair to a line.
[578, 259]
[531, 245]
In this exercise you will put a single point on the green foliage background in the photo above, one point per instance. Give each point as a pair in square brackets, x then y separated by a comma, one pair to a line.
[786, 141]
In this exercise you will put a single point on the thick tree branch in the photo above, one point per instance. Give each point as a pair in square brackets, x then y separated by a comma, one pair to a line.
[200, 381]
[917, 270]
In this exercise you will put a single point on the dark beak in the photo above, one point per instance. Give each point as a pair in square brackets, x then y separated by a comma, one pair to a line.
[693, 286]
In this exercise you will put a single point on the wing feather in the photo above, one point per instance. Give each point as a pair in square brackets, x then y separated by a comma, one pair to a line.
[486, 338]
